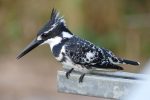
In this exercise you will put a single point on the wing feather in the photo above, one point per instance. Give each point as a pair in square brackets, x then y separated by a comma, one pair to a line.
[84, 52]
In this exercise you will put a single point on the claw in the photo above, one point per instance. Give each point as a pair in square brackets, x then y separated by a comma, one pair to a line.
[81, 78]
[68, 73]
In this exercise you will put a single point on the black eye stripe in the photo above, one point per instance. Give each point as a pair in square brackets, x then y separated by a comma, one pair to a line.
[44, 35]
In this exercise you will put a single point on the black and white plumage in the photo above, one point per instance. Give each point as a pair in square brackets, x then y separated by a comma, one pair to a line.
[79, 54]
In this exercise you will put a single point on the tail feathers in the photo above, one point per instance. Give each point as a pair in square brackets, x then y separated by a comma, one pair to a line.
[109, 66]
[130, 62]
[112, 66]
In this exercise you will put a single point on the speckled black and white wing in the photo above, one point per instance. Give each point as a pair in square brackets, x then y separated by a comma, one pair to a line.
[86, 54]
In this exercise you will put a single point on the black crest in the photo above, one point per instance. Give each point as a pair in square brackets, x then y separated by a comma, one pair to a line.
[55, 20]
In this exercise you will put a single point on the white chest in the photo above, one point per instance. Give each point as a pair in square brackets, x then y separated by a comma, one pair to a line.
[69, 64]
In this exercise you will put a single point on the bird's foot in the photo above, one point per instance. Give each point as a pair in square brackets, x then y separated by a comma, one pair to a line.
[81, 78]
[68, 73]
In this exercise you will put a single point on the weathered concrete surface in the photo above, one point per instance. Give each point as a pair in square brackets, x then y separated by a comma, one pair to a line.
[104, 84]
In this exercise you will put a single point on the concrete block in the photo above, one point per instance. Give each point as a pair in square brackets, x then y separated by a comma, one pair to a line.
[102, 84]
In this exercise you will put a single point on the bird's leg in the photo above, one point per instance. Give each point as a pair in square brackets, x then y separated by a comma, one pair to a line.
[68, 73]
[81, 78]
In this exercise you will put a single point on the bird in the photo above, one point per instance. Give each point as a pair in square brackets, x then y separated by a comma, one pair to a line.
[69, 49]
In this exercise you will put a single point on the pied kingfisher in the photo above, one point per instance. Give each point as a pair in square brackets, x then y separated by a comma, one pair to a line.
[79, 54]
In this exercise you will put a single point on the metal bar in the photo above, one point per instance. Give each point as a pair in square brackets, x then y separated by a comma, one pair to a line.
[112, 85]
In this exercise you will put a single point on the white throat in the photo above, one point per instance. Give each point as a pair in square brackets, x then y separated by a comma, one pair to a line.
[56, 40]
[53, 41]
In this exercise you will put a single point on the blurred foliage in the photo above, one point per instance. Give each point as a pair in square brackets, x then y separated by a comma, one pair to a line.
[107, 23]
[136, 6]
[113, 39]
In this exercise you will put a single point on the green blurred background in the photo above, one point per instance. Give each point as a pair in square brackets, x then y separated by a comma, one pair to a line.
[122, 26]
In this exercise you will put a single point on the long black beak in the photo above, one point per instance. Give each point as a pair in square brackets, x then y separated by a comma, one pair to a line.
[30, 47]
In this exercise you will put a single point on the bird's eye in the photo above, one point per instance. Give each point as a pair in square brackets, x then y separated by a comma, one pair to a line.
[44, 35]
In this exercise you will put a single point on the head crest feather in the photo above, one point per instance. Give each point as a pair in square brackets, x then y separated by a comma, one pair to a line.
[56, 18]
[54, 21]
